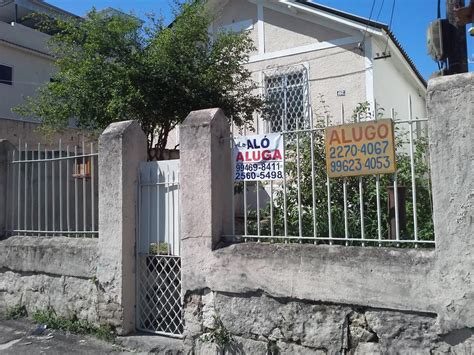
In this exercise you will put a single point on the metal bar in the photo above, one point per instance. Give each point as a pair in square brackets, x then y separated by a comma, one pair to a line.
[60, 186]
[395, 193]
[76, 191]
[68, 197]
[379, 211]
[245, 198]
[258, 199]
[53, 190]
[34, 231]
[175, 231]
[285, 217]
[53, 159]
[39, 188]
[92, 189]
[233, 173]
[13, 189]
[46, 209]
[164, 183]
[298, 184]
[25, 190]
[328, 186]
[362, 241]
[158, 214]
[19, 188]
[344, 191]
[272, 227]
[313, 178]
[84, 180]
[412, 165]
[31, 194]
[361, 202]
[179, 219]
[168, 209]
[9, 188]
[148, 222]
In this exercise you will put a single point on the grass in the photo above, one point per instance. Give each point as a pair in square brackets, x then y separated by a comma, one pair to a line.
[16, 312]
[74, 325]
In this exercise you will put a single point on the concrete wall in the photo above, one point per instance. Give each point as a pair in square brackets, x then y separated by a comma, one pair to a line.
[284, 32]
[91, 278]
[30, 133]
[55, 272]
[304, 298]
[237, 11]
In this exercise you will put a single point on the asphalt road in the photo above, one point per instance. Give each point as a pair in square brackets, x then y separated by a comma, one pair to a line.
[19, 337]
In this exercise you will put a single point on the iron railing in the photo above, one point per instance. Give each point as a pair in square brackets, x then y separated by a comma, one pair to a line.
[309, 207]
[53, 192]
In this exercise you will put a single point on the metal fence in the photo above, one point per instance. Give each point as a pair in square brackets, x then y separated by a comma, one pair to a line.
[159, 304]
[309, 207]
[53, 192]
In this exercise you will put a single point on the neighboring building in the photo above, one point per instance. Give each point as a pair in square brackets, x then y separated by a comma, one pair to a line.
[307, 53]
[25, 64]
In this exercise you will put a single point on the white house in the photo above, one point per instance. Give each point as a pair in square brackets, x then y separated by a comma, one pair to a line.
[25, 64]
[307, 53]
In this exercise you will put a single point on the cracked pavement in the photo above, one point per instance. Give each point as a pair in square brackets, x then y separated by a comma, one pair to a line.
[16, 337]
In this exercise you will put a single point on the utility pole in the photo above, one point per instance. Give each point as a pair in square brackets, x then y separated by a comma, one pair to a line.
[458, 57]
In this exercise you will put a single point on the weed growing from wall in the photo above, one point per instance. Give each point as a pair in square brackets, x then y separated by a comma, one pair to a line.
[49, 318]
[16, 312]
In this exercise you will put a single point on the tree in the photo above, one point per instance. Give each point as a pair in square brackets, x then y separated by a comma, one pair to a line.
[113, 67]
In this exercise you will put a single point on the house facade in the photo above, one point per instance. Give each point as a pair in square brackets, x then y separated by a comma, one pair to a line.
[25, 65]
[312, 61]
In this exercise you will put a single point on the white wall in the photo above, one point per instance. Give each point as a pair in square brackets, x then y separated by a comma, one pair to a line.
[331, 57]
[25, 50]
[393, 84]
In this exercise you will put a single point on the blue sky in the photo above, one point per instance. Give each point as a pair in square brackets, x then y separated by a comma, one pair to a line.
[410, 20]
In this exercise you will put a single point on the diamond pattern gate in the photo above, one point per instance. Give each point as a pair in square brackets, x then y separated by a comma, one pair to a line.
[159, 303]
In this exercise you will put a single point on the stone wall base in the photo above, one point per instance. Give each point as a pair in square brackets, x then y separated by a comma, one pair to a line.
[261, 324]
[68, 296]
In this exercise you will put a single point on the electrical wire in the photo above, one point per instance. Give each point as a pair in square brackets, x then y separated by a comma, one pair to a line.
[390, 24]
[380, 11]
[367, 26]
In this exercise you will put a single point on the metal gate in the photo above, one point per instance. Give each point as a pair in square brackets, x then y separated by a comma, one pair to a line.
[159, 303]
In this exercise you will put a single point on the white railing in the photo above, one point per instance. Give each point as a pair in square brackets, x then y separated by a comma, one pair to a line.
[53, 192]
[307, 206]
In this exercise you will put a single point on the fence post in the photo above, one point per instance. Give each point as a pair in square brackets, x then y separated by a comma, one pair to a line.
[450, 103]
[206, 188]
[122, 146]
[5, 149]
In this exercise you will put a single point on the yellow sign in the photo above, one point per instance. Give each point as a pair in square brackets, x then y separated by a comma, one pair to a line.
[357, 149]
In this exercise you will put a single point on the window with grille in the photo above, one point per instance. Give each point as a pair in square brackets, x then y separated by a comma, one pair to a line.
[286, 95]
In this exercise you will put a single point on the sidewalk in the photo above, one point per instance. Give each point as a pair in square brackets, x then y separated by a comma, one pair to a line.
[17, 337]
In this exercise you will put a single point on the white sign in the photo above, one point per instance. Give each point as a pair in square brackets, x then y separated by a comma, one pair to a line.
[258, 158]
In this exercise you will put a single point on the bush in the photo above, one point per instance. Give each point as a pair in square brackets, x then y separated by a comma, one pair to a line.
[304, 199]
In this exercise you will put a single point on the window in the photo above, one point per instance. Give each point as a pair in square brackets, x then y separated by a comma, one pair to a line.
[6, 75]
[286, 94]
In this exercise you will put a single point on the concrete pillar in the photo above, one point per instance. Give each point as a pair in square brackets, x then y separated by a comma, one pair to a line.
[450, 105]
[5, 151]
[206, 189]
[122, 146]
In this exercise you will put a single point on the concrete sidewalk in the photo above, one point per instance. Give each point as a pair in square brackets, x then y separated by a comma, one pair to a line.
[16, 337]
